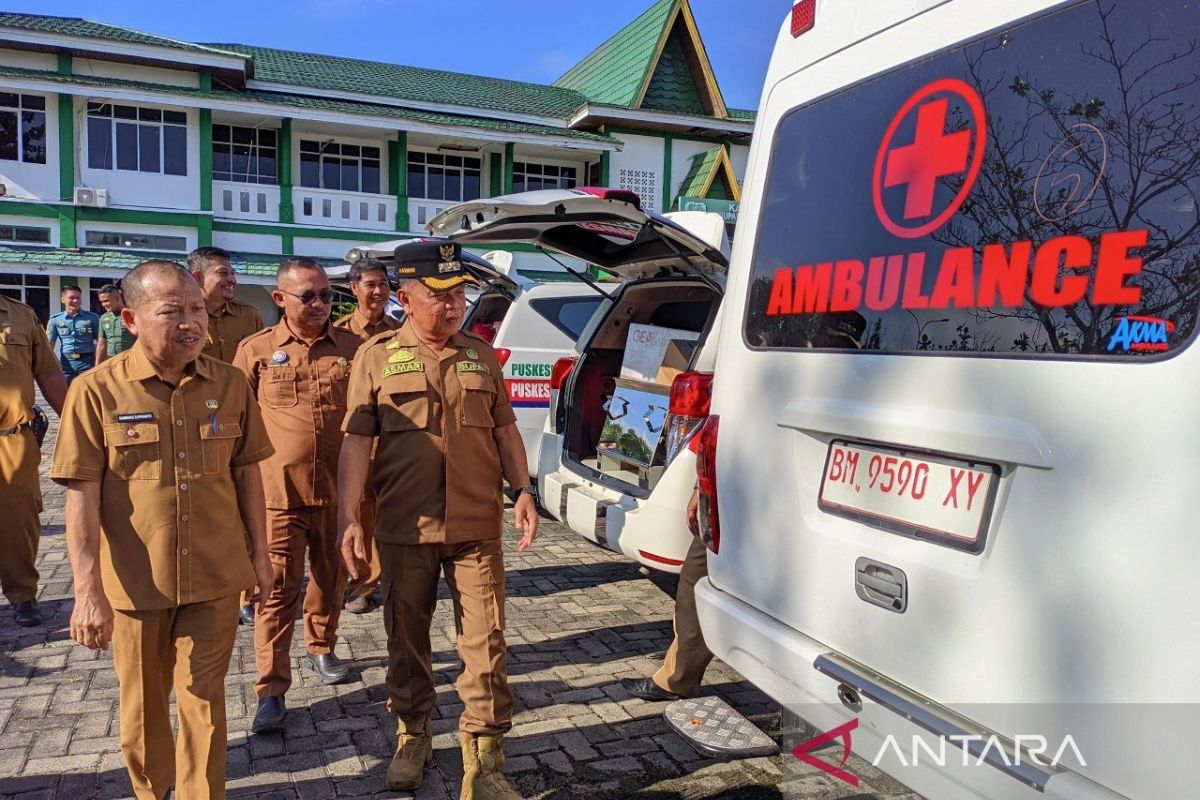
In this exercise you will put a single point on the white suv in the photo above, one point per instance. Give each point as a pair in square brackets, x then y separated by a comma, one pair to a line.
[672, 271]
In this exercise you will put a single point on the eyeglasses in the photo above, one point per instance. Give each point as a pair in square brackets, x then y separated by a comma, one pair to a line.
[325, 296]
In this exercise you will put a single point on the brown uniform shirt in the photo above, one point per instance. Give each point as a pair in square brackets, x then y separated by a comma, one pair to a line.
[228, 327]
[363, 328]
[302, 393]
[437, 466]
[164, 455]
[25, 354]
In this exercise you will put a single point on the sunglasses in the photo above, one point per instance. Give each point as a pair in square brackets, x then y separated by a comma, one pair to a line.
[325, 296]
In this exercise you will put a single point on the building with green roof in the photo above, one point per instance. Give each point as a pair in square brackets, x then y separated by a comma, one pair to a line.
[117, 145]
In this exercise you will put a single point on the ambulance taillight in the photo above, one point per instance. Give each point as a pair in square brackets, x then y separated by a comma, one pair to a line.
[691, 395]
[558, 376]
[804, 16]
[705, 445]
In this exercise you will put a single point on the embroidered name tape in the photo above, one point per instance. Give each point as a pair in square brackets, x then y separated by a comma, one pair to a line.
[141, 416]
[472, 366]
[396, 369]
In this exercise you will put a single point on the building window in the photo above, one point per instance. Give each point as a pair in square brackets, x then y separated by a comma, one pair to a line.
[22, 128]
[136, 139]
[528, 176]
[135, 241]
[341, 167]
[433, 176]
[24, 235]
[33, 290]
[244, 155]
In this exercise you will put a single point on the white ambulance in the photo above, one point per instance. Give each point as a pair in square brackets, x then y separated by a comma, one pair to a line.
[531, 324]
[950, 478]
[615, 464]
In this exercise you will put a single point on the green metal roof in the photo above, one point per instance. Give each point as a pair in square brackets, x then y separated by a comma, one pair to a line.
[745, 114]
[613, 73]
[672, 87]
[336, 73]
[313, 103]
[699, 172]
[76, 26]
[251, 264]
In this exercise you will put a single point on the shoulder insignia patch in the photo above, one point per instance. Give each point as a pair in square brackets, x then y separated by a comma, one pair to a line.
[401, 357]
[470, 351]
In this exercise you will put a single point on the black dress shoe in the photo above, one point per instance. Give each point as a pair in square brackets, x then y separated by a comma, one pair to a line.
[246, 615]
[270, 715]
[647, 689]
[28, 615]
[329, 668]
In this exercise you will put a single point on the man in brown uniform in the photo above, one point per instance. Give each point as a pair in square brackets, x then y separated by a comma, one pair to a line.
[299, 371]
[688, 656]
[369, 282]
[229, 322]
[25, 357]
[159, 449]
[434, 400]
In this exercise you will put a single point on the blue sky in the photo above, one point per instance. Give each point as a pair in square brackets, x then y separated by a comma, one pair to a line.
[533, 40]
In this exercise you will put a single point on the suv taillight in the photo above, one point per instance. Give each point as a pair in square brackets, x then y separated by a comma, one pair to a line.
[559, 372]
[503, 354]
[705, 445]
[691, 394]
[558, 376]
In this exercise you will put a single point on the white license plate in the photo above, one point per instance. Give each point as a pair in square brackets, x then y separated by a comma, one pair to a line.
[922, 495]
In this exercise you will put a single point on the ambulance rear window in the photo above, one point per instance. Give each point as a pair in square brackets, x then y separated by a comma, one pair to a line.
[1031, 194]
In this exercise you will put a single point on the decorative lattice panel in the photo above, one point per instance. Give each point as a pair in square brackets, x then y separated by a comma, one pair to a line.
[644, 182]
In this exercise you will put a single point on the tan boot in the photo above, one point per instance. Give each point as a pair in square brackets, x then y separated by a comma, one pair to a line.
[414, 754]
[483, 760]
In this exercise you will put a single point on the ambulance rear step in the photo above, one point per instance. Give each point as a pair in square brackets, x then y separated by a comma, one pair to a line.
[714, 728]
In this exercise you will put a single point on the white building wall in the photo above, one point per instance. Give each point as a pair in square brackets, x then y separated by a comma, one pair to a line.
[140, 189]
[36, 181]
[322, 248]
[248, 242]
[638, 168]
[134, 72]
[738, 156]
[27, 60]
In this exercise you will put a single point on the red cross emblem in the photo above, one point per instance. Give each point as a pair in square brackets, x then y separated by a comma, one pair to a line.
[916, 168]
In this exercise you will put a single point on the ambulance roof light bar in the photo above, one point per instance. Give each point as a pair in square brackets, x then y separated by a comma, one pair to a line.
[804, 16]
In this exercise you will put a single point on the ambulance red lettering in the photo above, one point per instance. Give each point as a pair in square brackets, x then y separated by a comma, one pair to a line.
[1002, 278]
[1004, 275]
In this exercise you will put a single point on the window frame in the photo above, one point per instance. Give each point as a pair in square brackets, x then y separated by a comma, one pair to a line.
[21, 112]
[522, 174]
[335, 150]
[257, 151]
[463, 170]
[122, 235]
[15, 228]
[142, 118]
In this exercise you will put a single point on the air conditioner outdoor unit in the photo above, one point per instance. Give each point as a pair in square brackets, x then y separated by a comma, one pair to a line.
[93, 198]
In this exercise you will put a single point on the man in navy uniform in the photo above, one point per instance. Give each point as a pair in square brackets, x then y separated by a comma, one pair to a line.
[73, 334]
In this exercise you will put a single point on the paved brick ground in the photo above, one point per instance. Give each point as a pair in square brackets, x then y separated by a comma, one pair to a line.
[579, 619]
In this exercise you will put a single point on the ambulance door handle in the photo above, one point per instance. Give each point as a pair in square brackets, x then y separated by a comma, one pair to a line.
[881, 585]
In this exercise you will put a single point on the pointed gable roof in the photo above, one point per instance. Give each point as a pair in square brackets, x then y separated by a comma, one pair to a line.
[656, 62]
[710, 176]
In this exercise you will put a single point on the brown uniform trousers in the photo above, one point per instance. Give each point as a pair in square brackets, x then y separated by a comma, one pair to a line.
[302, 393]
[688, 656]
[25, 355]
[364, 329]
[440, 511]
[172, 551]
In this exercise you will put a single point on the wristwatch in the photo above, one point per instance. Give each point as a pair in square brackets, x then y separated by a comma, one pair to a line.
[530, 490]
